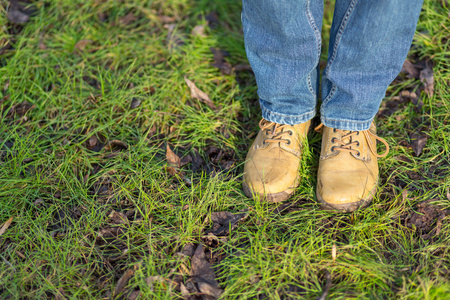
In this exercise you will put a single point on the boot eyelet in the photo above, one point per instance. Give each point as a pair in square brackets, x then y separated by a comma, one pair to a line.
[358, 154]
[333, 140]
[357, 133]
[333, 149]
[357, 143]
[290, 132]
[334, 129]
[288, 142]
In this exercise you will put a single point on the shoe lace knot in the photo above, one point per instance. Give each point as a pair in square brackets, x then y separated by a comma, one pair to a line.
[274, 132]
[346, 142]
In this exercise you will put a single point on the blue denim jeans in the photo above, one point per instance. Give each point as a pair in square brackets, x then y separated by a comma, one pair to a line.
[369, 42]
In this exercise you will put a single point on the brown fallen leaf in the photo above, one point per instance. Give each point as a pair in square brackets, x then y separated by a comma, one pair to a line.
[224, 222]
[174, 38]
[184, 292]
[203, 274]
[199, 94]
[123, 281]
[135, 103]
[242, 68]
[198, 30]
[188, 249]
[174, 165]
[6, 225]
[418, 142]
[128, 19]
[167, 19]
[213, 19]
[427, 78]
[219, 61]
[116, 145]
[16, 16]
[81, 45]
[118, 217]
[133, 295]
[172, 159]
[410, 69]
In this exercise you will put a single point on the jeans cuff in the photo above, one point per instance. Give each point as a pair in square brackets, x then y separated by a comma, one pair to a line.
[346, 124]
[287, 119]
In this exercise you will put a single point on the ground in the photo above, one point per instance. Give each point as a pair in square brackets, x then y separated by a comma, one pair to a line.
[123, 131]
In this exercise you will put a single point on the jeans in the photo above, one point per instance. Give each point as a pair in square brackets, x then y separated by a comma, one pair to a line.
[369, 42]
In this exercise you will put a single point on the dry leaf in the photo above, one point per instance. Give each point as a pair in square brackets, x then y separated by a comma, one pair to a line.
[6, 225]
[198, 94]
[135, 103]
[203, 274]
[116, 144]
[128, 19]
[418, 142]
[184, 291]
[242, 68]
[174, 38]
[224, 221]
[198, 30]
[410, 69]
[81, 45]
[16, 16]
[167, 19]
[123, 281]
[134, 295]
[427, 78]
[213, 19]
[172, 158]
[118, 217]
[219, 61]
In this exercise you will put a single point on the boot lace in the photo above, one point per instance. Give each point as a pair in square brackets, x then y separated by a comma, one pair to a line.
[275, 132]
[345, 143]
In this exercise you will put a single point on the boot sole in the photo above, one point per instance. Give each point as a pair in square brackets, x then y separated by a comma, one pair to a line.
[271, 198]
[347, 207]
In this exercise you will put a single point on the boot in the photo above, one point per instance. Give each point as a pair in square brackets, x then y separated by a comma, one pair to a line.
[348, 168]
[273, 161]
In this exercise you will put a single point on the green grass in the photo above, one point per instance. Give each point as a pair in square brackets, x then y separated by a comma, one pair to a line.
[62, 194]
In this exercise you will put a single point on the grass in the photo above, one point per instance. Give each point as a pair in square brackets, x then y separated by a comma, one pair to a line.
[64, 241]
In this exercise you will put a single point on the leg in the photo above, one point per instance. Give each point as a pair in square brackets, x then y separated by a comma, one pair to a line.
[369, 42]
[282, 41]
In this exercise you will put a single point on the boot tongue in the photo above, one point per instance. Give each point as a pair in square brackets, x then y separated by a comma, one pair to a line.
[346, 140]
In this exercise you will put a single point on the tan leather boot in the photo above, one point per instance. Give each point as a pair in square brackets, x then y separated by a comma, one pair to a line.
[348, 169]
[273, 161]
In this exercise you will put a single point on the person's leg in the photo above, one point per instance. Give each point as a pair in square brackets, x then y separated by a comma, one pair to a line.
[282, 40]
[369, 43]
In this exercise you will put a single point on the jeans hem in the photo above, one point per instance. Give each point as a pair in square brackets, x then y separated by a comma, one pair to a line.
[287, 119]
[346, 124]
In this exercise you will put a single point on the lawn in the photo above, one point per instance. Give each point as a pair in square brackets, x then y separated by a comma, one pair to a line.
[119, 182]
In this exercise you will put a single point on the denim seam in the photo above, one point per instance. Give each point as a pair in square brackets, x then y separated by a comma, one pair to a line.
[310, 85]
[319, 43]
[330, 95]
[288, 116]
[336, 46]
[349, 121]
